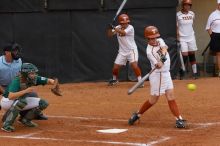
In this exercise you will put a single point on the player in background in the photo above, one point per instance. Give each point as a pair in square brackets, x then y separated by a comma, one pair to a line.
[213, 28]
[186, 36]
[160, 79]
[127, 48]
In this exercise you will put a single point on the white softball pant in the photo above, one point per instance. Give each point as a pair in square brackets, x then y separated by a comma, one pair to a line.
[32, 102]
[122, 59]
[188, 46]
[160, 82]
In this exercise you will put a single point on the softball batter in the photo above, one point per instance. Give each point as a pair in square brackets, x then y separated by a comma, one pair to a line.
[186, 36]
[160, 79]
[127, 48]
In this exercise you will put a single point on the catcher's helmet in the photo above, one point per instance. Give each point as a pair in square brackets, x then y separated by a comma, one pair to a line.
[27, 68]
[151, 32]
[189, 2]
[123, 18]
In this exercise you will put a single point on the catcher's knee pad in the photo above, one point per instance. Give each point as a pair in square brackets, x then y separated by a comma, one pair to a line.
[192, 58]
[43, 104]
[153, 99]
[21, 103]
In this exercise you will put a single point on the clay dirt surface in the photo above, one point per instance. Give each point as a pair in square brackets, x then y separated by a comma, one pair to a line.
[85, 108]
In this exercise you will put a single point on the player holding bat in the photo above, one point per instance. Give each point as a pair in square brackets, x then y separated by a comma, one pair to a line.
[127, 48]
[160, 79]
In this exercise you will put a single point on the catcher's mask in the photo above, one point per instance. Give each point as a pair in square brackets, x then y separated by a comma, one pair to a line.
[29, 71]
[15, 50]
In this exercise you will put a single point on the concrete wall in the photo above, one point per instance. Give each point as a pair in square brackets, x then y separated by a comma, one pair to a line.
[202, 10]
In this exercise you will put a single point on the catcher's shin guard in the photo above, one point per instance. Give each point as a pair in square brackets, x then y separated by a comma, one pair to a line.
[180, 123]
[133, 119]
[12, 114]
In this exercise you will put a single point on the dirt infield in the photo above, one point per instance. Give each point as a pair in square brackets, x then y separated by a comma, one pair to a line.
[87, 107]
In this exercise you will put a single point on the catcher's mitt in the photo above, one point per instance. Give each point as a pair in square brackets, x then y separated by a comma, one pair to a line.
[56, 89]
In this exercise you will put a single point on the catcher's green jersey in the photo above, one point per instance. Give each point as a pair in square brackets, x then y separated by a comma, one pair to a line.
[15, 85]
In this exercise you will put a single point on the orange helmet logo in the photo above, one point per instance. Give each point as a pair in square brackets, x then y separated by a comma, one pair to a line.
[189, 2]
[151, 32]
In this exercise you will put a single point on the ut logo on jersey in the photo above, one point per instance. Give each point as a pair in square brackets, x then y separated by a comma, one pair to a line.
[187, 18]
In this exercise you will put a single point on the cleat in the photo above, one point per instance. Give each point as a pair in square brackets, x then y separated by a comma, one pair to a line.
[141, 86]
[8, 128]
[41, 117]
[27, 123]
[112, 82]
[133, 119]
[180, 123]
[195, 76]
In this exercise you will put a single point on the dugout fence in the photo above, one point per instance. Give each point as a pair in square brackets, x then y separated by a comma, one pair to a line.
[67, 38]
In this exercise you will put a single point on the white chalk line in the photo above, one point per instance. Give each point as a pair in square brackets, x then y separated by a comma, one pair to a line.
[200, 126]
[87, 118]
[162, 139]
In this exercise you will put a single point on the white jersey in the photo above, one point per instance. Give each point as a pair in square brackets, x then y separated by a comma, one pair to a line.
[213, 22]
[126, 43]
[185, 25]
[154, 57]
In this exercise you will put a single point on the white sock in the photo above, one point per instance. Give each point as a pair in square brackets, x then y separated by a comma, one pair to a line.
[139, 78]
[114, 77]
[194, 68]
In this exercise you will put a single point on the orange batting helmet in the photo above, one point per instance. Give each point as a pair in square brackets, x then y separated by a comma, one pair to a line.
[123, 18]
[151, 32]
[189, 2]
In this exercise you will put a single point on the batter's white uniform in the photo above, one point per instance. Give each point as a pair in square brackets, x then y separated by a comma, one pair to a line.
[127, 47]
[160, 79]
[186, 32]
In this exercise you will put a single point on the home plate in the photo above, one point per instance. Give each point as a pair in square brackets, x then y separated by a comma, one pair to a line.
[112, 130]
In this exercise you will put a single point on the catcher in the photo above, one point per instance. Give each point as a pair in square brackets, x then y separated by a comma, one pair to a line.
[14, 99]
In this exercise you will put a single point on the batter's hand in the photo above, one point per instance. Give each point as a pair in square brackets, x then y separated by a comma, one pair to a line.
[159, 65]
[56, 89]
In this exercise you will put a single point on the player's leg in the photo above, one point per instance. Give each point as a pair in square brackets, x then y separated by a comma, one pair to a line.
[115, 72]
[180, 123]
[218, 62]
[155, 93]
[5, 105]
[184, 51]
[12, 113]
[192, 58]
[119, 61]
[133, 59]
[41, 116]
[147, 105]
[34, 107]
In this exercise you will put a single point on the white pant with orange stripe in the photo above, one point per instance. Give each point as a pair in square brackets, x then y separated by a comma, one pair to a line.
[131, 56]
[160, 82]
